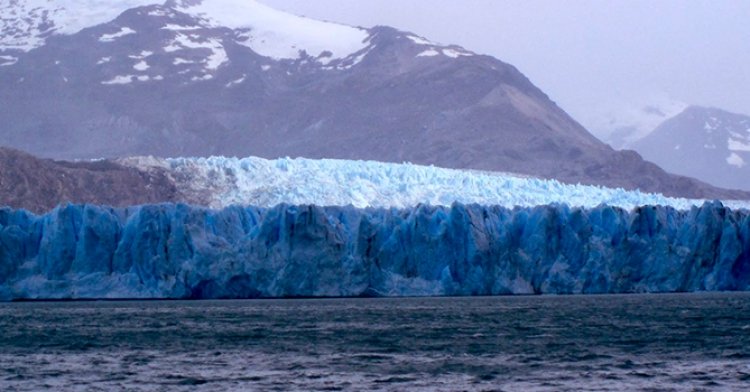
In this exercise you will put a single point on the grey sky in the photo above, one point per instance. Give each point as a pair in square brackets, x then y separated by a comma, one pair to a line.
[590, 56]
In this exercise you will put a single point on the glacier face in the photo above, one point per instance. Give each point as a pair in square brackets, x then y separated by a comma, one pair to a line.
[219, 182]
[179, 251]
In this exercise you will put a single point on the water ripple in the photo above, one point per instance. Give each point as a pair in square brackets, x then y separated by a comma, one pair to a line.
[577, 343]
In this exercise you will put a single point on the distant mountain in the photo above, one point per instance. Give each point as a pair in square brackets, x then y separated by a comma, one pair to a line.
[710, 144]
[625, 126]
[92, 79]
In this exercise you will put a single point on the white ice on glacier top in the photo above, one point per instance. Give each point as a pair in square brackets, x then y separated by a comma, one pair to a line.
[260, 182]
[270, 33]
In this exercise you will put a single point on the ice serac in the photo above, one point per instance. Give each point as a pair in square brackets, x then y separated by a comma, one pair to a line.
[179, 251]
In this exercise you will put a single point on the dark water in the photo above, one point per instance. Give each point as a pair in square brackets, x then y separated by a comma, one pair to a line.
[637, 342]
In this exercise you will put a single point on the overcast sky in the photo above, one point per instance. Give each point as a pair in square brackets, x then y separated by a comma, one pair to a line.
[590, 56]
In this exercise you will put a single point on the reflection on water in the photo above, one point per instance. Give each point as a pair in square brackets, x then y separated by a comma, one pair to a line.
[667, 342]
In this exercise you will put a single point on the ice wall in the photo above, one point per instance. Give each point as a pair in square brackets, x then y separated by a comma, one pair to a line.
[179, 251]
[219, 182]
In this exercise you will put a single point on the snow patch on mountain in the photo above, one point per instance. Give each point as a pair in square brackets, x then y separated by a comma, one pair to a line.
[222, 182]
[735, 160]
[217, 56]
[24, 25]
[455, 53]
[237, 81]
[141, 66]
[738, 145]
[7, 60]
[120, 79]
[449, 52]
[202, 78]
[420, 40]
[277, 34]
[142, 55]
[435, 49]
[429, 53]
[112, 37]
[127, 79]
[739, 137]
[175, 27]
[180, 61]
[624, 125]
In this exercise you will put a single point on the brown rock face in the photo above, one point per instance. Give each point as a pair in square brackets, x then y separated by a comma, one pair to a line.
[40, 184]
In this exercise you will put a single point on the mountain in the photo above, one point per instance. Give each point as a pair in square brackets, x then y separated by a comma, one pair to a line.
[623, 127]
[92, 79]
[709, 144]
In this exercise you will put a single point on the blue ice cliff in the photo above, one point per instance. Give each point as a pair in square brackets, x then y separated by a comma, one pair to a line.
[179, 251]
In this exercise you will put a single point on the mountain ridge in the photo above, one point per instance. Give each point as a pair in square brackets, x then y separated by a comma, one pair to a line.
[707, 143]
[168, 81]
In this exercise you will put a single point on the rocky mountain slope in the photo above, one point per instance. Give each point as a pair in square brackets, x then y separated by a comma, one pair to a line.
[89, 79]
[710, 144]
[38, 184]
[628, 124]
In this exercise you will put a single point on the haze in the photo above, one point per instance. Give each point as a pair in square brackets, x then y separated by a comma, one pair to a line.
[596, 59]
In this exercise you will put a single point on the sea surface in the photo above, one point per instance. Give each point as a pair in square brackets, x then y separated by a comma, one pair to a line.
[680, 342]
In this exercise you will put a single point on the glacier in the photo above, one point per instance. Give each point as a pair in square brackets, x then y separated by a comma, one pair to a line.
[219, 182]
[183, 251]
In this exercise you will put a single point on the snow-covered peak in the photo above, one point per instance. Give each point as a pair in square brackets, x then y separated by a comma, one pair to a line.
[24, 24]
[709, 144]
[278, 34]
[625, 125]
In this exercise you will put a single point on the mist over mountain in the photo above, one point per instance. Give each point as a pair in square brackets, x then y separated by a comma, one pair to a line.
[623, 127]
[709, 144]
[236, 78]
